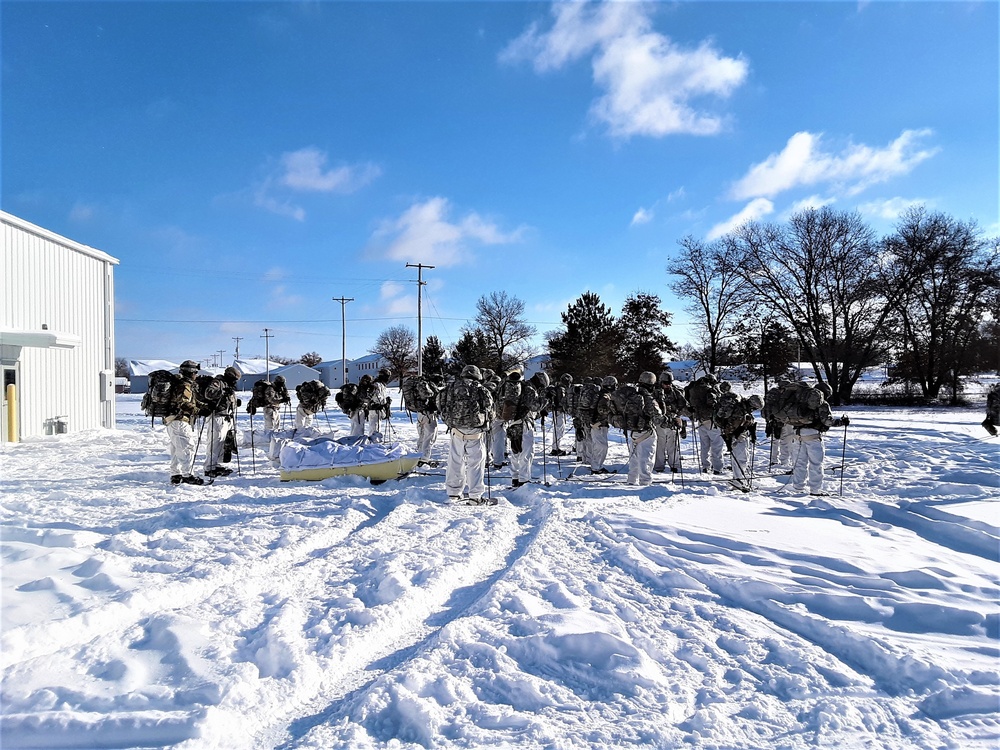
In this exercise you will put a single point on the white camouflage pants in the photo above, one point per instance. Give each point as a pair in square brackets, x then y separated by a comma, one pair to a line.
[466, 464]
[182, 442]
[598, 448]
[303, 417]
[558, 429]
[498, 441]
[809, 461]
[272, 417]
[640, 458]
[520, 463]
[742, 471]
[216, 428]
[426, 434]
[668, 447]
[712, 445]
[786, 441]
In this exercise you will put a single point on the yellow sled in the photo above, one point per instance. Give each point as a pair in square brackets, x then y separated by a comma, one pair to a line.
[377, 473]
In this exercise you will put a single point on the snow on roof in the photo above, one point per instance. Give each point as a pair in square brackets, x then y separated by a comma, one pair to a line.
[255, 366]
[146, 366]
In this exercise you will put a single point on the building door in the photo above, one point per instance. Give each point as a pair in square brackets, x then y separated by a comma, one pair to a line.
[9, 378]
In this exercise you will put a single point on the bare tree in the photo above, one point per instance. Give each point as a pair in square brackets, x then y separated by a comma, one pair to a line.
[310, 359]
[941, 316]
[397, 345]
[708, 277]
[501, 319]
[820, 275]
[121, 367]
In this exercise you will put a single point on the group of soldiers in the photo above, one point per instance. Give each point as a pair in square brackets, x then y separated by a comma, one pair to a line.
[186, 401]
[495, 420]
[491, 418]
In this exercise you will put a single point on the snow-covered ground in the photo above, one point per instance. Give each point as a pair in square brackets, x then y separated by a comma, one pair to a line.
[259, 614]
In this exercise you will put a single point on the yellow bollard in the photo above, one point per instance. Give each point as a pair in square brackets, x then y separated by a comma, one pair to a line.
[12, 435]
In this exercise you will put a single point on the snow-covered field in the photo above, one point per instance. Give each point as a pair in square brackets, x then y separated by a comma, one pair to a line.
[259, 614]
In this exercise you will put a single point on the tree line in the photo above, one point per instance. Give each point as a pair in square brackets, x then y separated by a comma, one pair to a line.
[820, 288]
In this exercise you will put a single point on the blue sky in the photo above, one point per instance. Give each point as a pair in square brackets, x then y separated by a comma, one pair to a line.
[248, 162]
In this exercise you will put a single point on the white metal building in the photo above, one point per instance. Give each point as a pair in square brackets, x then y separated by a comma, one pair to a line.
[57, 332]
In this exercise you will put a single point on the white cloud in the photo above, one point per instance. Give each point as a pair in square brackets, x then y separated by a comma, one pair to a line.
[425, 233]
[649, 82]
[813, 201]
[890, 208]
[305, 170]
[397, 299]
[81, 212]
[642, 216]
[755, 209]
[281, 296]
[804, 162]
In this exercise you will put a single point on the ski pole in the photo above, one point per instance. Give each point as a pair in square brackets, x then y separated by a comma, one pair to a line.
[545, 465]
[253, 448]
[486, 457]
[843, 454]
[678, 454]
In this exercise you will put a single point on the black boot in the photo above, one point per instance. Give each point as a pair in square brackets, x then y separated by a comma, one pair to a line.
[175, 479]
[191, 479]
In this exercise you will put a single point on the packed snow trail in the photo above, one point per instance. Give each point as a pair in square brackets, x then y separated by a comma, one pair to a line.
[261, 614]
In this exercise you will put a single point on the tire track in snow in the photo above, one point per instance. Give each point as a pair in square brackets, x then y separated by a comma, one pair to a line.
[32, 641]
[344, 665]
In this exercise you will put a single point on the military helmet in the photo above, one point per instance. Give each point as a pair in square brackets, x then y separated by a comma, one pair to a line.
[610, 381]
[471, 371]
[710, 377]
[566, 378]
[542, 379]
[189, 365]
[666, 376]
[755, 402]
[725, 387]
[647, 378]
[824, 388]
[487, 373]
[231, 373]
[279, 380]
[365, 379]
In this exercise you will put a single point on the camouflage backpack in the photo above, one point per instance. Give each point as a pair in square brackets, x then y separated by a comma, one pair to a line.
[510, 396]
[629, 409]
[313, 394]
[465, 404]
[701, 395]
[347, 398]
[159, 398]
[418, 394]
[798, 405]
[586, 402]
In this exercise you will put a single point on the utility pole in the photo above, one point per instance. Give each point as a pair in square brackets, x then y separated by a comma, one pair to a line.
[221, 360]
[237, 339]
[267, 352]
[420, 332]
[343, 336]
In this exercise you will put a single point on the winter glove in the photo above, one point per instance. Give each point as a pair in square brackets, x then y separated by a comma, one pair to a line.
[239, 403]
[841, 422]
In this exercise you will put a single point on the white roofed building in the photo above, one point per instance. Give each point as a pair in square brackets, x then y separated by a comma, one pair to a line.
[57, 333]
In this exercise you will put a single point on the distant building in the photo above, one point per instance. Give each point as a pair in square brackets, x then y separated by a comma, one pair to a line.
[536, 364]
[57, 331]
[332, 371]
[686, 370]
[139, 369]
[252, 370]
[296, 374]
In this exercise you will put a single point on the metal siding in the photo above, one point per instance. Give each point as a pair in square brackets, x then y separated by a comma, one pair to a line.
[66, 289]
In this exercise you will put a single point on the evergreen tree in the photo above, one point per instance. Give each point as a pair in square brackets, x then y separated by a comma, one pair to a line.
[471, 349]
[586, 345]
[433, 356]
[642, 338]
